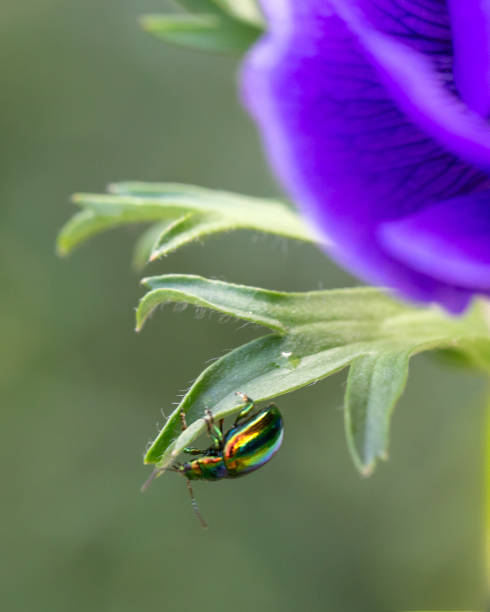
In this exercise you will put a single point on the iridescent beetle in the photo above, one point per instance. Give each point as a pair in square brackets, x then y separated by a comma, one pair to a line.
[247, 446]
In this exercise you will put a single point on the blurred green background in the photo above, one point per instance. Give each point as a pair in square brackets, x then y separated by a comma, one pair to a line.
[87, 98]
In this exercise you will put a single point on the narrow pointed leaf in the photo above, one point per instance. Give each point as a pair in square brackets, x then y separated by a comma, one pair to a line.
[142, 189]
[213, 32]
[375, 383]
[194, 226]
[146, 243]
[82, 226]
[274, 309]
[205, 211]
[242, 9]
[89, 223]
[261, 214]
[202, 6]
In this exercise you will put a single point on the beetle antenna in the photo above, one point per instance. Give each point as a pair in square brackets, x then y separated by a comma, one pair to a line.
[195, 507]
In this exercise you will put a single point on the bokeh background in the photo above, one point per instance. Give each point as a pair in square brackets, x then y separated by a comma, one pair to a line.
[87, 98]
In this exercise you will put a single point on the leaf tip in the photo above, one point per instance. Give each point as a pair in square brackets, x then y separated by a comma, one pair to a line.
[62, 249]
[140, 321]
[152, 23]
[145, 22]
[76, 198]
[367, 470]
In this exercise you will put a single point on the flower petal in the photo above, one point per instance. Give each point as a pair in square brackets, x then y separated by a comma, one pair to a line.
[449, 240]
[340, 143]
[471, 39]
[414, 81]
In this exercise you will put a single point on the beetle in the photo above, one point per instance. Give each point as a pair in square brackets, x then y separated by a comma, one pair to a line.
[252, 441]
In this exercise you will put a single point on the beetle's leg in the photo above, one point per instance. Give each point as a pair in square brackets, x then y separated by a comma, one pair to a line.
[190, 450]
[221, 422]
[249, 406]
[195, 506]
[214, 432]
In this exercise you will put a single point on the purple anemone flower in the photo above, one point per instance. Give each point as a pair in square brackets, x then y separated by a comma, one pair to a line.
[374, 114]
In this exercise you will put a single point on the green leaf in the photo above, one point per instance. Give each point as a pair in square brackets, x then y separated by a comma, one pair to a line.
[375, 383]
[273, 309]
[147, 242]
[315, 334]
[189, 228]
[223, 26]
[242, 9]
[181, 214]
[246, 10]
[82, 226]
[206, 32]
[202, 6]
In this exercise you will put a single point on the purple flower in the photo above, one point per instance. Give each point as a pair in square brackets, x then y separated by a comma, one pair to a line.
[374, 116]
